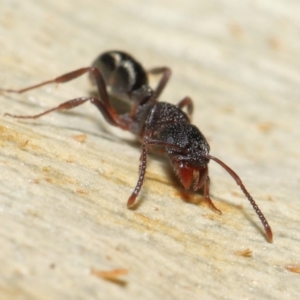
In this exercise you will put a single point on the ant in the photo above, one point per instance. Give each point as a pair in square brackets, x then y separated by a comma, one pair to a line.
[158, 124]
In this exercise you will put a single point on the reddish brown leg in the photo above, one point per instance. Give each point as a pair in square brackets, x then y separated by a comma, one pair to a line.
[142, 169]
[143, 163]
[61, 79]
[166, 73]
[71, 104]
[207, 197]
[239, 182]
[102, 104]
[188, 103]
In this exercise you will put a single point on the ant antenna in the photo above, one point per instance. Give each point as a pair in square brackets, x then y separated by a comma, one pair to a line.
[239, 182]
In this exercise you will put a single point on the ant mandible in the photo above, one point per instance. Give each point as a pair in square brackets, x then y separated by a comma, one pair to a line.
[158, 124]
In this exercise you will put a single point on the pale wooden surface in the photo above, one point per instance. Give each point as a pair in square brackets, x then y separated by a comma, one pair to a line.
[62, 205]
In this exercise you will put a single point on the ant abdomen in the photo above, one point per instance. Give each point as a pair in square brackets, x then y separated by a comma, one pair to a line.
[121, 72]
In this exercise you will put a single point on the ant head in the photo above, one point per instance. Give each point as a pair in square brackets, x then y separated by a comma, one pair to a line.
[188, 151]
[185, 144]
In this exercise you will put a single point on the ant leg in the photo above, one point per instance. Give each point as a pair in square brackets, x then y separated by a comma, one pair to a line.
[102, 104]
[207, 197]
[143, 163]
[188, 103]
[61, 79]
[142, 168]
[70, 76]
[109, 117]
[166, 73]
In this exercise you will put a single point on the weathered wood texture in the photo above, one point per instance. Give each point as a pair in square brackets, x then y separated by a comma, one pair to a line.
[62, 201]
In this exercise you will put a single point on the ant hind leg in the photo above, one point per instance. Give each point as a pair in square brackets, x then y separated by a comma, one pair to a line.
[61, 79]
[103, 104]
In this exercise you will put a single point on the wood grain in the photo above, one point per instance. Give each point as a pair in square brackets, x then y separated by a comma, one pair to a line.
[65, 178]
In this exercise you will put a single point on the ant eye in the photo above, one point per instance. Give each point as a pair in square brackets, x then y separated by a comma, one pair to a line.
[170, 140]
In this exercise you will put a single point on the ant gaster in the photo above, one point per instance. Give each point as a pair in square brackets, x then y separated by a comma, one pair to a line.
[158, 124]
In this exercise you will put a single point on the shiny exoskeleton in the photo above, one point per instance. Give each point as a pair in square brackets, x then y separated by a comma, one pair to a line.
[157, 124]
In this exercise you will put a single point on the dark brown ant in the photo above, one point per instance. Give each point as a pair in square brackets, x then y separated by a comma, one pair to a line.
[159, 124]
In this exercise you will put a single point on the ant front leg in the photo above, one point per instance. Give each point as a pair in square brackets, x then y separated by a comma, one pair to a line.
[166, 73]
[142, 170]
[143, 161]
[188, 103]
[207, 197]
